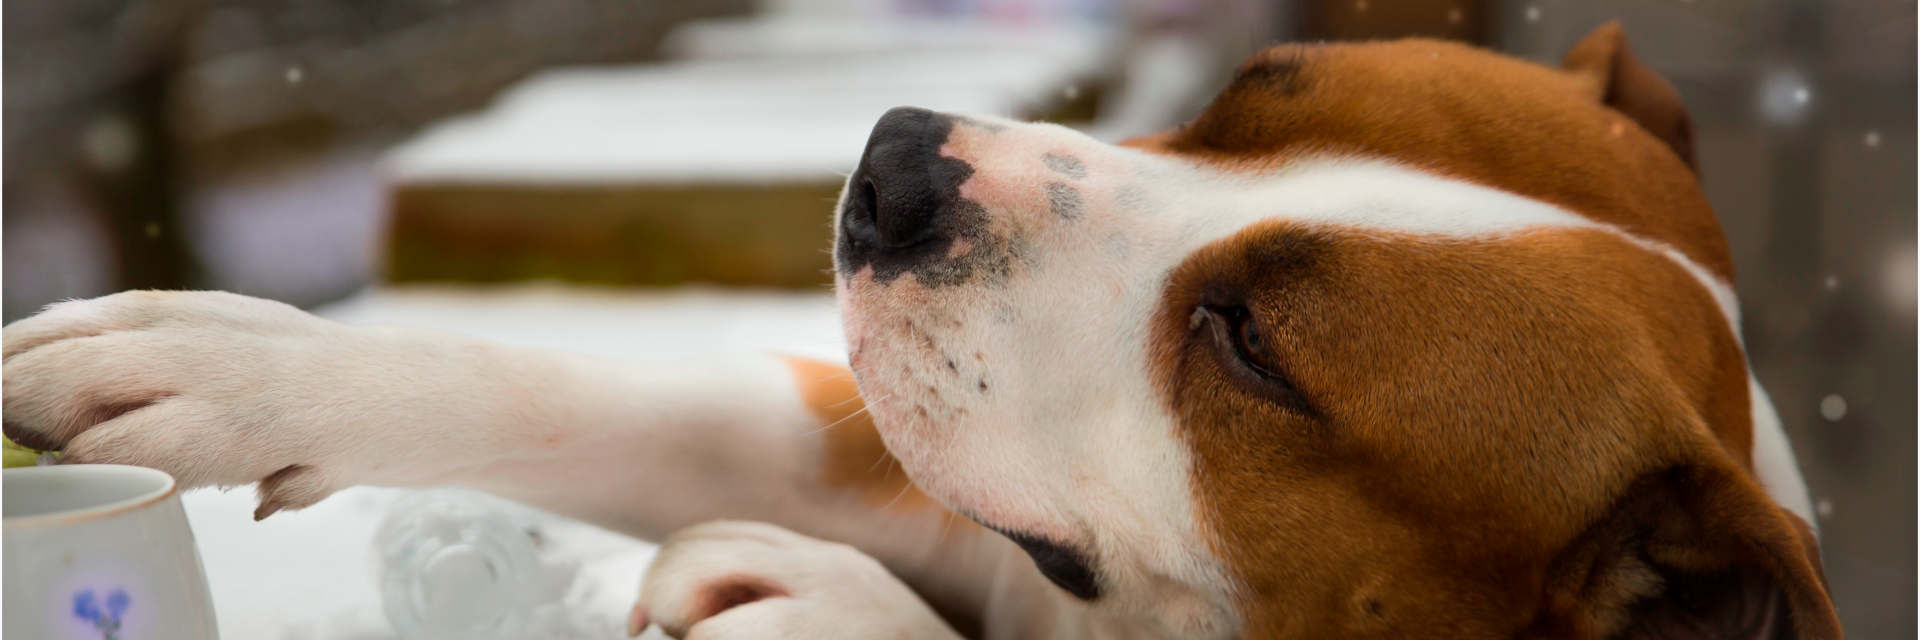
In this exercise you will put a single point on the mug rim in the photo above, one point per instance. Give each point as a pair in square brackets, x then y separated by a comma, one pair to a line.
[166, 490]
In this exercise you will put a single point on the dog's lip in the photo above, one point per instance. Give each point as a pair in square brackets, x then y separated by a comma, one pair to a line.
[1068, 567]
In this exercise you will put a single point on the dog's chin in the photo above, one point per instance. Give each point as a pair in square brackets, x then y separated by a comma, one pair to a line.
[925, 450]
[923, 394]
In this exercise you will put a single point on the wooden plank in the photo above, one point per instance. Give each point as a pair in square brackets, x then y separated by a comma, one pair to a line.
[749, 235]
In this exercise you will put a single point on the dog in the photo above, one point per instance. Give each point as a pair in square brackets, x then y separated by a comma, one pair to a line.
[1395, 339]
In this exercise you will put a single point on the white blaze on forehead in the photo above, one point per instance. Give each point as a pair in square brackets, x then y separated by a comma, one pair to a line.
[1369, 194]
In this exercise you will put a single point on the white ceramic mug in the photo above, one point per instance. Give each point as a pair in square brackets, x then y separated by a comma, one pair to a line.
[100, 551]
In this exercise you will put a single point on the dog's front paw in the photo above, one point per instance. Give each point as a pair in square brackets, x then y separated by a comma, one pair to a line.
[214, 388]
[730, 580]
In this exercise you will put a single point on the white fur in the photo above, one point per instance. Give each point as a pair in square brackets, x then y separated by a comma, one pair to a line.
[1773, 459]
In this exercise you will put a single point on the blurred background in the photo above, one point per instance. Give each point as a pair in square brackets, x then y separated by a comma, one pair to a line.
[650, 179]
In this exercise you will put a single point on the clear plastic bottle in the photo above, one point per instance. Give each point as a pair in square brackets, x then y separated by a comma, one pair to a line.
[461, 566]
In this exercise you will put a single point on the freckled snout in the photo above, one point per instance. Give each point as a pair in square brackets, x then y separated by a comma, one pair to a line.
[903, 207]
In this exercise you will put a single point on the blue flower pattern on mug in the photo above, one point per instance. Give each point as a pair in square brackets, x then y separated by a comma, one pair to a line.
[86, 607]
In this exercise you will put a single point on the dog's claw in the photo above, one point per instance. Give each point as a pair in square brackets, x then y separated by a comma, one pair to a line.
[292, 487]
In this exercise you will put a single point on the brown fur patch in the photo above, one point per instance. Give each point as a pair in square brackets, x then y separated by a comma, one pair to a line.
[1694, 550]
[854, 455]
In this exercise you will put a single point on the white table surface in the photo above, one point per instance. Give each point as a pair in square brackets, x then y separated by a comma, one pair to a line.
[311, 574]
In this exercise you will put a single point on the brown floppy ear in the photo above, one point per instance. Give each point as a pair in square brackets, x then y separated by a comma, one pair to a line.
[1611, 73]
[1695, 551]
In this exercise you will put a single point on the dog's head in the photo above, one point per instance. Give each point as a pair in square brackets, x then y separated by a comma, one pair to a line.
[1394, 339]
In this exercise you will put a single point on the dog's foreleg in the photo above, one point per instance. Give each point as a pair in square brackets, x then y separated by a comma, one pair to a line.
[220, 389]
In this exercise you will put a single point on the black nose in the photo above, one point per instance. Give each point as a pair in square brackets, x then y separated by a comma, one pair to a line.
[902, 203]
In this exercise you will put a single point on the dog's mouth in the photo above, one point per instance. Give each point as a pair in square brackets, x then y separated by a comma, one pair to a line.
[1067, 567]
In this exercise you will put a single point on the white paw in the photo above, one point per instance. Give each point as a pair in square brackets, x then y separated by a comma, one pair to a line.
[214, 388]
[728, 580]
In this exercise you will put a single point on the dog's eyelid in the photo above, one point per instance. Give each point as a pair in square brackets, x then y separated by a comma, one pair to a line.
[1227, 326]
[1244, 325]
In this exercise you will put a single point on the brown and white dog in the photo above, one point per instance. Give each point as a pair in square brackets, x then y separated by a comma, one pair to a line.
[1394, 340]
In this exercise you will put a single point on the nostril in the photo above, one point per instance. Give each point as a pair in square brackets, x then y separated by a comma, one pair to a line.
[867, 200]
[861, 216]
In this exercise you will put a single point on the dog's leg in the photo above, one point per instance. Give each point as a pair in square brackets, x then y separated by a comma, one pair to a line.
[220, 389]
